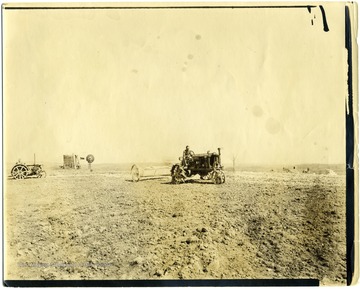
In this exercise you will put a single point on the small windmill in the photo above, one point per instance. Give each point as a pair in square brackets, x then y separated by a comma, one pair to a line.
[90, 159]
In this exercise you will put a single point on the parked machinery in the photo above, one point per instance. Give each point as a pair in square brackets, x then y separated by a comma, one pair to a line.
[23, 171]
[208, 166]
[71, 162]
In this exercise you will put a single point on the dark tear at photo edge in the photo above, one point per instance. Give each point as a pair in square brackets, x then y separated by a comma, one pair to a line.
[349, 97]
[350, 149]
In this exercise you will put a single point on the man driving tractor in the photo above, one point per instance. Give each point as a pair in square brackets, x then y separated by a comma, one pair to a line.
[187, 155]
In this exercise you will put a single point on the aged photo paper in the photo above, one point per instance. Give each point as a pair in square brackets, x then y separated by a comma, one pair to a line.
[154, 144]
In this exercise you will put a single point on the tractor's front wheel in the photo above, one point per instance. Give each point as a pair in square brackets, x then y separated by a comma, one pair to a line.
[222, 175]
[177, 174]
[41, 174]
[218, 177]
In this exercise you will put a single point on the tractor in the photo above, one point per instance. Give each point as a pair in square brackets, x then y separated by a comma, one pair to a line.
[23, 171]
[207, 166]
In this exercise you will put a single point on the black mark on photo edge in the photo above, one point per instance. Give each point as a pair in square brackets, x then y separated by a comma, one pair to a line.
[349, 155]
[326, 27]
[165, 283]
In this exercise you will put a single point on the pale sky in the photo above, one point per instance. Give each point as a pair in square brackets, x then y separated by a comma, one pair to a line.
[265, 85]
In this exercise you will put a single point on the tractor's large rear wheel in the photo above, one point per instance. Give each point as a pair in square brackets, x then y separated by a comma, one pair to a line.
[177, 174]
[19, 172]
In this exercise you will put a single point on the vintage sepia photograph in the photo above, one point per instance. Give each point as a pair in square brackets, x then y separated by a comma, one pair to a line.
[175, 143]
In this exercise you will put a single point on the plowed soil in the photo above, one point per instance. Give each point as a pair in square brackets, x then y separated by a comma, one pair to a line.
[101, 225]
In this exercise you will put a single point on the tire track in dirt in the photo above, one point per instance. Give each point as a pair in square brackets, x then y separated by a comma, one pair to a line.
[323, 230]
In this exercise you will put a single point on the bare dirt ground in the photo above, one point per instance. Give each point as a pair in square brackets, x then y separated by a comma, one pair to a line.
[100, 225]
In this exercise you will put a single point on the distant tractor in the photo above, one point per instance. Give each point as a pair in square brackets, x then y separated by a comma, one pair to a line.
[207, 166]
[23, 171]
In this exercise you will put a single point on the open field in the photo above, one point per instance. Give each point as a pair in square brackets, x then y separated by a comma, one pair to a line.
[100, 225]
